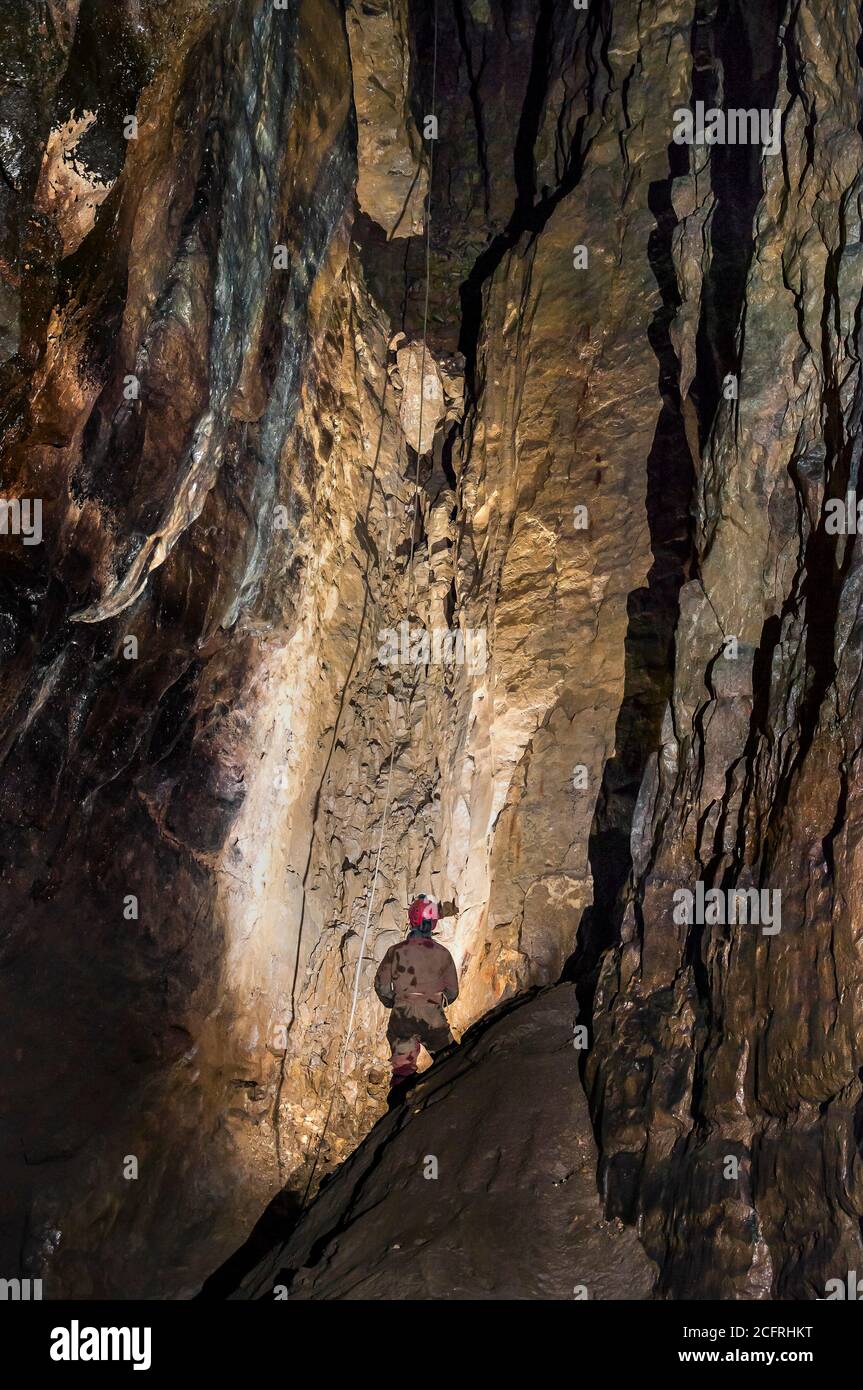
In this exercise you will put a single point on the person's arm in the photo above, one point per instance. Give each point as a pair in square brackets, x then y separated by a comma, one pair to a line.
[384, 980]
[450, 981]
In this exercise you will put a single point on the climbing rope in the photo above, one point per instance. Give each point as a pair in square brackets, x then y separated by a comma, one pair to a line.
[414, 514]
[425, 313]
[410, 559]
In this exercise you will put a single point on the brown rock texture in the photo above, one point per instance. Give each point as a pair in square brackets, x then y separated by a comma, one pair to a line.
[272, 624]
[392, 175]
[720, 1040]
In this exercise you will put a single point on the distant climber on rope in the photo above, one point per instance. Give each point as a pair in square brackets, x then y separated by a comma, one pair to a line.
[415, 979]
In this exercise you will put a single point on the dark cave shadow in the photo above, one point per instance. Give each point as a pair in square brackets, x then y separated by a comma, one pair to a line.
[649, 645]
[274, 1226]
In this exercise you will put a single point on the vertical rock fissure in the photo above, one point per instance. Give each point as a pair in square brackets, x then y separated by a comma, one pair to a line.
[728, 38]
[529, 214]
[652, 613]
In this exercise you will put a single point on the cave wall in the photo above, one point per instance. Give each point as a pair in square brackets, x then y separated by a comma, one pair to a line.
[256, 518]
[156, 382]
[718, 1040]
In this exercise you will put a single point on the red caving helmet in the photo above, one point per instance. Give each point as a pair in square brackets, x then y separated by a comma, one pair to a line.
[423, 913]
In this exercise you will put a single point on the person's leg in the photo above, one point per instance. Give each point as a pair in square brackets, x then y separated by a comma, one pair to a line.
[405, 1054]
[403, 1038]
[434, 1031]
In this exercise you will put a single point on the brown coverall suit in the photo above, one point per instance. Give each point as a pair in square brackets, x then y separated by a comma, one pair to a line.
[415, 978]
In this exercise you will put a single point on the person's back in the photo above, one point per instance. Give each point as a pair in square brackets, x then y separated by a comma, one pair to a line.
[421, 967]
[415, 979]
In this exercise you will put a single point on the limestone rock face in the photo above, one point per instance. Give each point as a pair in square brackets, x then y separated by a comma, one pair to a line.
[147, 409]
[392, 179]
[280, 658]
[247, 636]
[422, 403]
[718, 1040]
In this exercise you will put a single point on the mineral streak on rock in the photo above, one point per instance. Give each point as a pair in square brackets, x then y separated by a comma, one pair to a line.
[641, 388]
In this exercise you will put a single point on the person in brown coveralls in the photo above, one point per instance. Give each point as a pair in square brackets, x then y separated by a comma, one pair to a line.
[415, 979]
